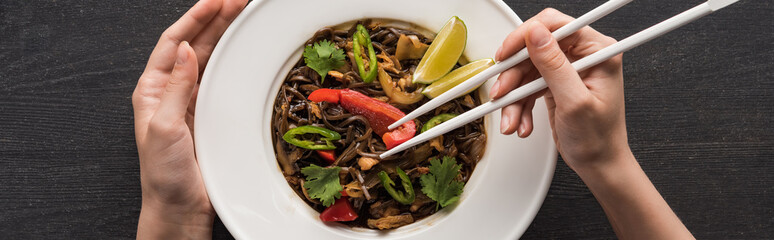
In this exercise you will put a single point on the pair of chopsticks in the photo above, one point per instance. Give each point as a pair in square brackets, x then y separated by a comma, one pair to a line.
[540, 84]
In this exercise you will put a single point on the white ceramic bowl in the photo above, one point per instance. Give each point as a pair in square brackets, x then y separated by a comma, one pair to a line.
[233, 115]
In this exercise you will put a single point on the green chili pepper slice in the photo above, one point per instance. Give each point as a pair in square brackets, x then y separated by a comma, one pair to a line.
[437, 120]
[292, 137]
[406, 197]
[361, 37]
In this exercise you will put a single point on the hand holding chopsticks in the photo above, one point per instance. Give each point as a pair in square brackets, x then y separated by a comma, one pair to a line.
[540, 84]
[522, 55]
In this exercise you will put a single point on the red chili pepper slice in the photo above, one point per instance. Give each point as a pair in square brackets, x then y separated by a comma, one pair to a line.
[379, 114]
[340, 211]
[328, 155]
[325, 95]
[400, 134]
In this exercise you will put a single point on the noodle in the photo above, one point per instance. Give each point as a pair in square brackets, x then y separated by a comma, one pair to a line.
[292, 109]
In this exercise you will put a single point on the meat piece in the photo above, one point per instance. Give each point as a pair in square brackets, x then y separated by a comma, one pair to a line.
[354, 190]
[406, 84]
[315, 110]
[340, 77]
[388, 64]
[366, 163]
[390, 222]
[437, 143]
[468, 101]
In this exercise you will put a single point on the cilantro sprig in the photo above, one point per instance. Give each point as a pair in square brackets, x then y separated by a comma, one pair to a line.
[323, 183]
[322, 57]
[439, 183]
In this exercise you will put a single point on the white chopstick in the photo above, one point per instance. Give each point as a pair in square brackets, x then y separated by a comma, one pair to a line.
[580, 65]
[478, 79]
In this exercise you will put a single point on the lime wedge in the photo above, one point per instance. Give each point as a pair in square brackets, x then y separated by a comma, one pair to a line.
[457, 76]
[443, 53]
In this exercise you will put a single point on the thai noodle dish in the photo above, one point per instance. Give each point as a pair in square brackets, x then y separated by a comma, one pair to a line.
[330, 118]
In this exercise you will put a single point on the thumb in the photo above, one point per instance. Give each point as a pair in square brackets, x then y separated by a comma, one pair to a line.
[561, 77]
[177, 94]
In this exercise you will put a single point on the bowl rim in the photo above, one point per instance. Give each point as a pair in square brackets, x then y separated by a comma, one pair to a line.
[531, 210]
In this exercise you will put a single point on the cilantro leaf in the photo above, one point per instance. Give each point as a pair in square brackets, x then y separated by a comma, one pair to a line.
[439, 184]
[322, 57]
[323, 183]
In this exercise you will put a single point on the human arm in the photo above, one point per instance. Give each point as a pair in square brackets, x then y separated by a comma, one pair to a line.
[587, 117]
[174, 201]
[632, 204]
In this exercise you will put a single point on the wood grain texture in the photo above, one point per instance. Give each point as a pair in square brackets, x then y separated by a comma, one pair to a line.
[700, 105]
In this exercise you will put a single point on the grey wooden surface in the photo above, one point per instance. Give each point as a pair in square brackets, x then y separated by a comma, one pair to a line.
[700, 104]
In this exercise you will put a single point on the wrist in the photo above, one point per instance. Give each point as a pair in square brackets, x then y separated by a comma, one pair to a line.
[166, 222]
[599, 159]
[634, 207]
[606, 166]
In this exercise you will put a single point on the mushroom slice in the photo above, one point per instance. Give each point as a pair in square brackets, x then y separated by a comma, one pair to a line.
[409, 47]
[395, 93]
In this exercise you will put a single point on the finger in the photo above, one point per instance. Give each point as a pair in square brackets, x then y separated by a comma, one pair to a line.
[579, 44]
[551, 108]
[191, 111]
[177, 95]
[511, 116]
[564, 82]
[185, 29]
[515, 110]
[585, 41]
[205, 42]
[192, 102]
[514, 42]
[510, 79]
[526, 123]
[550, 104]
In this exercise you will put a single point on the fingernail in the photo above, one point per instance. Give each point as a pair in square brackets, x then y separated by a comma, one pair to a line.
[182, 53]
[522, 129]
[497, 54]
[494, 89]
[538, 35]
[504, 122]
